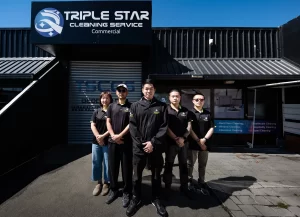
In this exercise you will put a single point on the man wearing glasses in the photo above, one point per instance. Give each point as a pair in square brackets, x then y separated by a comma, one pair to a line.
[119, 145]
[202, 130]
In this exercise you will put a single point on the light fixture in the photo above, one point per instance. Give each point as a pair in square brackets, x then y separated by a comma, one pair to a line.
[229, 82]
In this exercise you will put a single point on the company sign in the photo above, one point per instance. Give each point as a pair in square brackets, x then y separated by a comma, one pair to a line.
[91, 22]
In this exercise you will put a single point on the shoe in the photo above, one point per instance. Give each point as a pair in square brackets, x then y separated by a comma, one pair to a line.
[112, 196]
[126, 200]
[105, 190]
[188, 193]
[161, 210]
[133, 206]
[97, 189]
[204, 191]
[203, 188]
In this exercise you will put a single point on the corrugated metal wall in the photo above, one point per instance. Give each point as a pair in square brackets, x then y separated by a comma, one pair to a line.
[16, 43]
[87, 81]
[228, 42]
[179, 42]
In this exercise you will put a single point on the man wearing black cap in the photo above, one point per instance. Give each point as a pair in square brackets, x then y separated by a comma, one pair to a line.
[148, 127]
[119, 145]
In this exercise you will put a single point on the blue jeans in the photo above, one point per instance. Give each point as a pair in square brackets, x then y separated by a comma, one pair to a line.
[98, 154]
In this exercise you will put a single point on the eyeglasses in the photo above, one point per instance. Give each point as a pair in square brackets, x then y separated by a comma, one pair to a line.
[122, 91]
[197, 100]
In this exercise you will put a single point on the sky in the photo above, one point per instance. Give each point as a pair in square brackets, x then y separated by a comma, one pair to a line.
[186, 13]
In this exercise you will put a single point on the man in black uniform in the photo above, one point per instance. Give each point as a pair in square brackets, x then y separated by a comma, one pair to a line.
[148, 127]
[202, 130]
[179, 128]
[119, 145]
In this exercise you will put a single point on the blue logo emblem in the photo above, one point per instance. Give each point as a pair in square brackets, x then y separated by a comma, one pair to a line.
[49, 22]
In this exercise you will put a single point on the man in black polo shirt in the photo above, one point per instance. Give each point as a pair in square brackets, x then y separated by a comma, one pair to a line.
[202, 130]
[179, 128]
[148, 127]
[119, 145]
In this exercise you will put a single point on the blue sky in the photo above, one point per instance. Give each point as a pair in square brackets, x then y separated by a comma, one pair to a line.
[187, 13]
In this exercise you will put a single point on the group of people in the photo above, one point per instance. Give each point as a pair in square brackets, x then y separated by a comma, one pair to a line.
[137, 134]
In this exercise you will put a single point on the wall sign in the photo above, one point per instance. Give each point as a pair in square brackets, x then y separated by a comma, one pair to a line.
[244, 127]
[91, 22]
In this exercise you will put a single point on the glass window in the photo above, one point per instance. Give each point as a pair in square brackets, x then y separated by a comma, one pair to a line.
[162, 96]
[186, 97]
[228, 103]
[266, 103]
[292, 95]
[188, 94]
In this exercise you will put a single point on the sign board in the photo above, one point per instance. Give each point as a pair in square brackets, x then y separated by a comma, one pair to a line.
[244, 127]
[92, 22]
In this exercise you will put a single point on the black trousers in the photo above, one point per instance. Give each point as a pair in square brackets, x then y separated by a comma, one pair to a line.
[120, 154]
[155, 161]
[171, 153]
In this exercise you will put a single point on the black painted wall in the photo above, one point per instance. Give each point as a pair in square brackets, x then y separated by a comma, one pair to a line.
[36, 122]
[290, 33]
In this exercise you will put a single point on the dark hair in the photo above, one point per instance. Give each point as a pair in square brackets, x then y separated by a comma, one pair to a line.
[148, 81]
[174, 90]
[199, 93]
[105, 93]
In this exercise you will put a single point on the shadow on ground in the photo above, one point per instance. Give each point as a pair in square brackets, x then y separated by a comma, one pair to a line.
[220, 190]
[223, 188]
[50, 160]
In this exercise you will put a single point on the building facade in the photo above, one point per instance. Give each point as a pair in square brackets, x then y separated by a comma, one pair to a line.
[62, 75]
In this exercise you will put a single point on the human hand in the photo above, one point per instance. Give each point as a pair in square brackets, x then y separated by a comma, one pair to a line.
[148, 147]
[180, 142]
[100, 140]
[117, 138]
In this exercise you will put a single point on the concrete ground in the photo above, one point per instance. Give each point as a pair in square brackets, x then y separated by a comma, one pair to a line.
[57, 183]
[256, 184]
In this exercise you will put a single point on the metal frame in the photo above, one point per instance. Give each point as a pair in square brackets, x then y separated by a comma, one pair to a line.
[281, 85]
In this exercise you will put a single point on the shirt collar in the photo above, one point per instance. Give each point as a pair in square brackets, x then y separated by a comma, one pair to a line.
[117, 101]
[200, 111]
[179, 107]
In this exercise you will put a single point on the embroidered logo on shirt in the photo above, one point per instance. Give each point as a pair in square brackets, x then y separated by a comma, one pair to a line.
[125, 109]
[183, 114]
[156, 112]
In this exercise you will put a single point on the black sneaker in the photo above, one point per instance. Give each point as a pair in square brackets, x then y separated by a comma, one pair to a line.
[203, 188]
[161, 210]
[133, 206]
[126, 200]
[112, 196]
[188, 193]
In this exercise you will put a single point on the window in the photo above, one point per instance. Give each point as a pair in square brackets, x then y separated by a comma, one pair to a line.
[186, 97]
[188, 94]
[228, 103]
[266, 104]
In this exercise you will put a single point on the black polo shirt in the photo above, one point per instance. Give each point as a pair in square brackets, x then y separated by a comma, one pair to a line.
[201, 124]
[119, 115]
[99, 118]
[178, 121]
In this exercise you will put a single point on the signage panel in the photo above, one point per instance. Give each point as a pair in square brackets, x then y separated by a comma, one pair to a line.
[92, 22]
